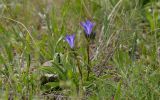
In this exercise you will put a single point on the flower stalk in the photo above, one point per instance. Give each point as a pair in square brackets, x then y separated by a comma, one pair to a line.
[88, 27]
[71, 39]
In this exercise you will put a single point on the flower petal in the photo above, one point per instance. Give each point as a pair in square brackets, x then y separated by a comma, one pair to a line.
[87, 26]
[70, 39]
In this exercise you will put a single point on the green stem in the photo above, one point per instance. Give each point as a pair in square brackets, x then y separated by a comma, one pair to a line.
[80, 71]
[88, 65]
[78, 65]
[80, 92]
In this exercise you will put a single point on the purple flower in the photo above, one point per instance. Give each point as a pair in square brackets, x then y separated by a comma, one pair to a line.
[70, 39]
[87, 26]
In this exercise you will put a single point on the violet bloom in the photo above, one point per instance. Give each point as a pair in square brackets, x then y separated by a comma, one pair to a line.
[87, 26]
[70, 39]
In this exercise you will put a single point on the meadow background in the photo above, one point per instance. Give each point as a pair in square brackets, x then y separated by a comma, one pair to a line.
[36, 63]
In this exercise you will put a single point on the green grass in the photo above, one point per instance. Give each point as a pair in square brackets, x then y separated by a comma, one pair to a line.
[125, 62]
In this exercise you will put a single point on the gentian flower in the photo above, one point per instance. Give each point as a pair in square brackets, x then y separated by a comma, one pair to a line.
[87, 26]
[70, 39]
